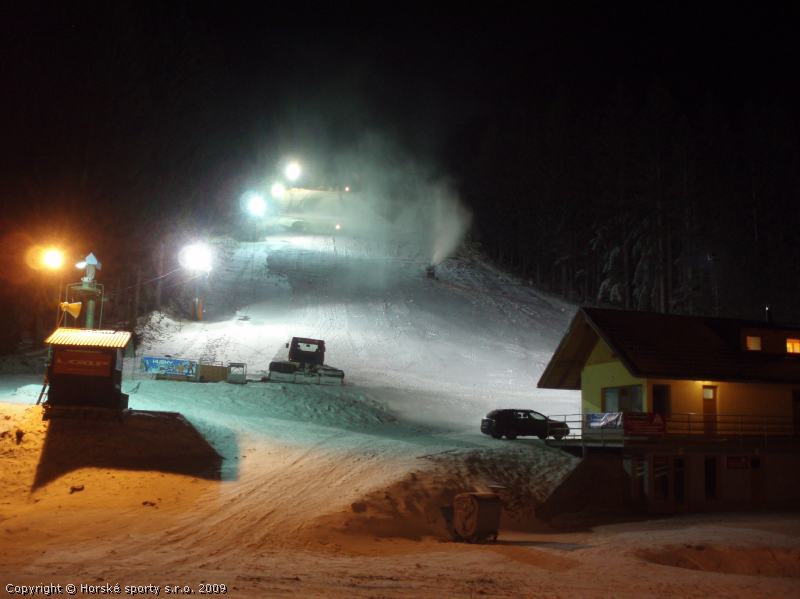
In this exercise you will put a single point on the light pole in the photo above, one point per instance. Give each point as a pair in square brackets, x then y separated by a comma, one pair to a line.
[52, 259]
[197, 258]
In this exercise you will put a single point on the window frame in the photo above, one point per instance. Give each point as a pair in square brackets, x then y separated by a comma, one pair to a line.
[604, 407]
[757, 338]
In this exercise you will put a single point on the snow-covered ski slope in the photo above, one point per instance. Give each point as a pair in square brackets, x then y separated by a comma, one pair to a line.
[305, 465]
[439, 352]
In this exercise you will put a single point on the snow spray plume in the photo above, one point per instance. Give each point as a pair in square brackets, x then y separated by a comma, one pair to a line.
[400, 198]
[450, 222]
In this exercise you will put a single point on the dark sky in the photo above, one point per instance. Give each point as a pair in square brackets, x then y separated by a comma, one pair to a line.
[111, 92]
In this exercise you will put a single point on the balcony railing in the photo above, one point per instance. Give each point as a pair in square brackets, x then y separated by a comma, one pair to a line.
[616, 428]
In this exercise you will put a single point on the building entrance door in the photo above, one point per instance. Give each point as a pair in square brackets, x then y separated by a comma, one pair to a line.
[709, 410]
[661, 400]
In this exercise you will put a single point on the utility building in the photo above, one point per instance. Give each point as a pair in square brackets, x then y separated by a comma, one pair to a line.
[703, 412]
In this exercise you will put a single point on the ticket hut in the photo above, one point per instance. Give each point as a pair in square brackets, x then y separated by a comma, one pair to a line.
[85, 370]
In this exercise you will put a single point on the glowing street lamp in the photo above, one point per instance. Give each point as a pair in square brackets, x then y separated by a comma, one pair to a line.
[197, 258]
[293, 170]
[52, 258]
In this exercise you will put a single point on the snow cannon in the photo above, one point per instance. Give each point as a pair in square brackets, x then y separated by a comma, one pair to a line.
[304, 362]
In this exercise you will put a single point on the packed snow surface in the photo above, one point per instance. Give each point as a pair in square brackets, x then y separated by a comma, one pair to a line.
[336, 491]
[441, 351]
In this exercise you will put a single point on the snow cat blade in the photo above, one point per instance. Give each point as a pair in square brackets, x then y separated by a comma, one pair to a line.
[284, 371]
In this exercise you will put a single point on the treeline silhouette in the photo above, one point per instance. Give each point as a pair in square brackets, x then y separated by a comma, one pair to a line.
[632, 201]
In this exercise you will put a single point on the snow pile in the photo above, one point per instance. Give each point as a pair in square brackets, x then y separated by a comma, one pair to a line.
[412, 506]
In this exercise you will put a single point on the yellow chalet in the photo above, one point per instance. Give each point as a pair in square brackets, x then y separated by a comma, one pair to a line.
[711, 369]
[704, 410]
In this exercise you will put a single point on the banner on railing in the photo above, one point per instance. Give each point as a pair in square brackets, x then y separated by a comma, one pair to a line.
[643, 423]
[170, 366]
[604, 420]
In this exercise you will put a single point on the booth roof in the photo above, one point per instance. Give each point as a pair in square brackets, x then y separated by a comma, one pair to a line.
[89, 338]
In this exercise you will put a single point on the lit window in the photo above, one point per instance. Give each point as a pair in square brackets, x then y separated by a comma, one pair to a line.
[753, 343]
[793, 346]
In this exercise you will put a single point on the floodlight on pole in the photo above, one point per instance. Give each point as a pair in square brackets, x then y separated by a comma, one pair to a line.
[196, 258]
[278, 190]
[293, 170]
[256, 204]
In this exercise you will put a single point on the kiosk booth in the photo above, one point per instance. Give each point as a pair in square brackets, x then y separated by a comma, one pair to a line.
[85, 371]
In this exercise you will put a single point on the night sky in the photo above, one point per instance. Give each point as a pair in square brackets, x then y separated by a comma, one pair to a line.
[552, 125]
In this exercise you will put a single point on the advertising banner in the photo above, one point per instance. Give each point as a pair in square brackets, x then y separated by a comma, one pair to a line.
[604, 420]
[171, 366]
[81, 362]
